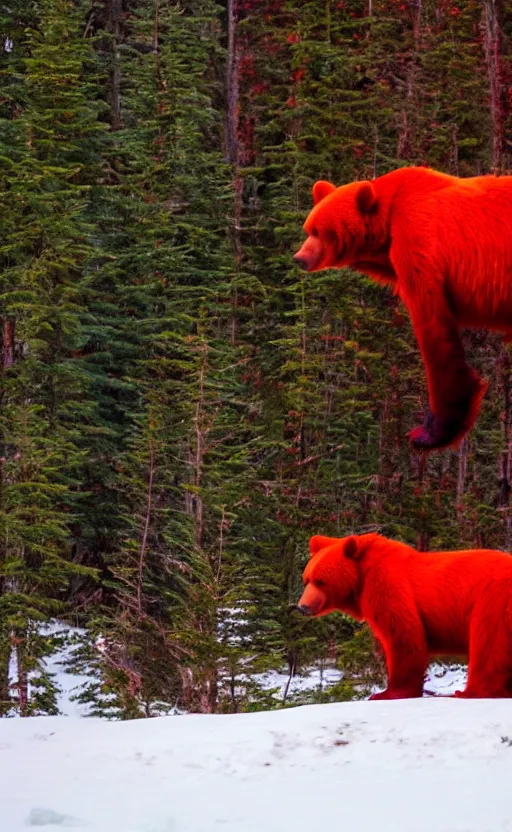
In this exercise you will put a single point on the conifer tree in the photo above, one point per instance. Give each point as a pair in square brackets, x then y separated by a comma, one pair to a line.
[43, 392]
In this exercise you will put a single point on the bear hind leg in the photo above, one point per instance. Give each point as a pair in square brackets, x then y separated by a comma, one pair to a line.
[490, 654]
[455, 389]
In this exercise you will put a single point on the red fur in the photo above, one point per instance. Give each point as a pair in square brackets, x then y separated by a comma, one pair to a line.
[419, 605]
[445, 245]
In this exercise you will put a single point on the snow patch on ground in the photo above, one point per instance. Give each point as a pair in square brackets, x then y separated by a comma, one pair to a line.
[312, 679]
[57, 666]
[69, 684]
[444, 680]
[425, 765]
[441, 680]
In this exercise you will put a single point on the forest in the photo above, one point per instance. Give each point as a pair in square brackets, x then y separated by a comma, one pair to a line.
[181, 407]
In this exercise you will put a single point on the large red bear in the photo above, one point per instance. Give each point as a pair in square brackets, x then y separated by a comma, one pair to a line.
[419, 605]
[445, 245]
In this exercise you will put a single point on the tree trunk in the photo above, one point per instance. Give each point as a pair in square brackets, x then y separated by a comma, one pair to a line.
[232, 88]
[492, 37]
[18, 648]
[505, 460]
[115, 9]
[5, 655]
[147, 522]
[461, 479]
[8, 343]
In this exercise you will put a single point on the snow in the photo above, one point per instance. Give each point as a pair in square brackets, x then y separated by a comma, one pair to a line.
[444, 679]
[69, 684]
[312, 679]
[57, 665]
[426, 765]
[441, 680]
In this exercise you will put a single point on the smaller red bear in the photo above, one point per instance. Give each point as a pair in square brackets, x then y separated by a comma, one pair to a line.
[419, 605]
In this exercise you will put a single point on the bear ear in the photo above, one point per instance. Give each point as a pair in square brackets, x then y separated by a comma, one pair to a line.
[366, 198]
[319, 542]
[351, 550]
[322, 189]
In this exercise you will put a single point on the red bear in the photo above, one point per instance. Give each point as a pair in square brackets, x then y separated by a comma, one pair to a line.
[419, 605]
[445, 245]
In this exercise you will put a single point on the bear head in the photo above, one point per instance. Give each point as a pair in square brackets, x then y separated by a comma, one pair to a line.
[340, 227]
[331, 576]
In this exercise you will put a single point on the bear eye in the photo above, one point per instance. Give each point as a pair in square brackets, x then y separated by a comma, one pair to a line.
[314, 232]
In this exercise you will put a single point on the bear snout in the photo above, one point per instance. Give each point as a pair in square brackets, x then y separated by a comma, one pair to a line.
[301, 261]
[310, 254]
[305, 610]
[312, 601]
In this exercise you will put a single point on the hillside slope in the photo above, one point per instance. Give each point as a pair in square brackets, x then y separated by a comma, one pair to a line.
[431, 765]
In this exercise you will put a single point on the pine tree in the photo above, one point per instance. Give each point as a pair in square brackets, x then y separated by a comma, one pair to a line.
[43, 392]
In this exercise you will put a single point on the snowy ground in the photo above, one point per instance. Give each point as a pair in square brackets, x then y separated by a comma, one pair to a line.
[441, 680]
[430, 765]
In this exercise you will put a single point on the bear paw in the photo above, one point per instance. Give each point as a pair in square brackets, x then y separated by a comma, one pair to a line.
[397, 693]
[436, 433]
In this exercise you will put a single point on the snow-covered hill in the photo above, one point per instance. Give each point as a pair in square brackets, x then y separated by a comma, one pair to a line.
[430, 765]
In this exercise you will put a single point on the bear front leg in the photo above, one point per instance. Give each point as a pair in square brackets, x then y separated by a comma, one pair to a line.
[396, 623]
[455, 389]
[407, 665]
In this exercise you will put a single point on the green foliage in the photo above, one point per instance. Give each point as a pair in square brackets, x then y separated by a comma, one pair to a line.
[180, 409]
